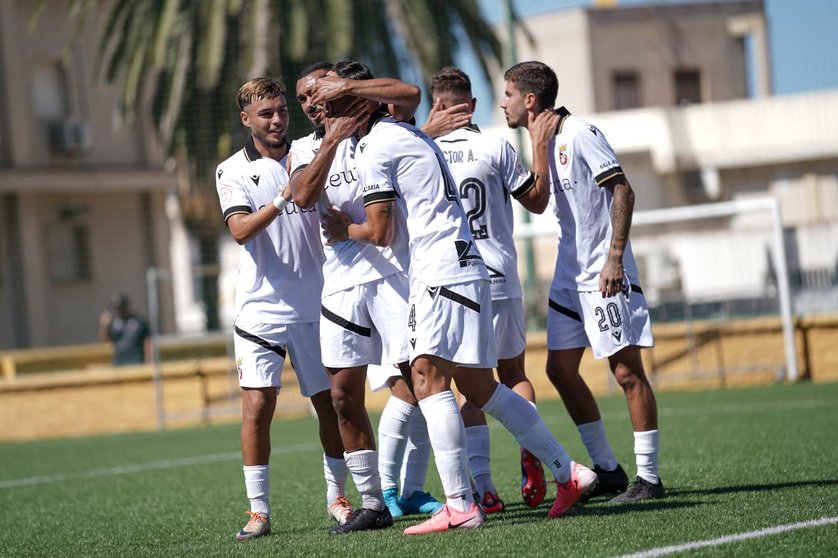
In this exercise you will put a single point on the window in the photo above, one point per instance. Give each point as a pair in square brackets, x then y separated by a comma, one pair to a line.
[626, 86]
[687, 87]
[49, 90]
[68, 250]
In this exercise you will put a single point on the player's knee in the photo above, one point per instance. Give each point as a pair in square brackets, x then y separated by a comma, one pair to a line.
[627, 378]
[559, 376]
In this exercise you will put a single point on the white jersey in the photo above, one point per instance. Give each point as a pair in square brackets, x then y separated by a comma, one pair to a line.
[279, 276]
[396, 161]
[581, 163]
[348, 263]
[488, 175]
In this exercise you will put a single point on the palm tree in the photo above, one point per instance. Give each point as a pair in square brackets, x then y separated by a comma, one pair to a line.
[180, 62]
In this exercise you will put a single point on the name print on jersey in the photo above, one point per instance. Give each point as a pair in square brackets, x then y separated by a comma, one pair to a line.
[453, 157]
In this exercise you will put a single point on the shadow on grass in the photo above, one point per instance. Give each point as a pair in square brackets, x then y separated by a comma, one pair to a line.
[752, 487]
[517, 512]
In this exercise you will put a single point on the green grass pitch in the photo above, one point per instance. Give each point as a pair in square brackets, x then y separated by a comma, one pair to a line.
[734, 461]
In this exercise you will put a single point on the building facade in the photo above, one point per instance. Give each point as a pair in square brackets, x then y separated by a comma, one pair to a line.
[82, 192]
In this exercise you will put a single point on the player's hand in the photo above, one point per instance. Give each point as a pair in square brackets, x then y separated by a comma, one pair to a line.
[285, 192]
[612, 277]
[328, 88]
[340, 127]
[444, 120]
[542, 127]
[335, 224]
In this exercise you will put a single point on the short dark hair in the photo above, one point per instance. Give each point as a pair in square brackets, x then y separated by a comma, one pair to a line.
[451, 79]
[259, 88]
[352, 69]
[537, 78]
[314, 67]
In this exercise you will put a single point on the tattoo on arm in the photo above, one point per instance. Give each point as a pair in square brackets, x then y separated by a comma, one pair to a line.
[621, 213]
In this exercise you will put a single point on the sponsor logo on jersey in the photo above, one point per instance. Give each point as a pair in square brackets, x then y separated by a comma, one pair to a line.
[343, 177]
[255, 179]
[220, 172]
[467, 254]
[563, 153]
[520, 170]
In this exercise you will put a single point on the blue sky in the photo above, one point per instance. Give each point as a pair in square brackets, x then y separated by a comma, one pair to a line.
[802, 39]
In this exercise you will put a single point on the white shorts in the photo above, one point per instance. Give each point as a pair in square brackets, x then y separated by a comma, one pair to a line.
[378, 375]
[453, 322]
[365, 324]
[585, 319]
[510, 327]
[260, 356]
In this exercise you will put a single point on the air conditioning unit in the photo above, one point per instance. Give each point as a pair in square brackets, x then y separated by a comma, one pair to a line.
[69, 136]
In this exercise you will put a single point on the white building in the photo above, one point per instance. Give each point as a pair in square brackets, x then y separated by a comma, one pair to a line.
[668, 85]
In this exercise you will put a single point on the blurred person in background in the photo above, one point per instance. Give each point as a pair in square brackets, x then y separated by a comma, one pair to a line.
[488, 174]
[277, 299]
[595, 299]
[127, 331]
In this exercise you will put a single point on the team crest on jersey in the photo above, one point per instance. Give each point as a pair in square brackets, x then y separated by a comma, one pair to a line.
[225, 195]
[467, 254]
[563, 153]
[255, 179]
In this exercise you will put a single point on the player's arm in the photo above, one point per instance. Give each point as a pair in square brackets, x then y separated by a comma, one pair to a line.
[542, 130]
[591, 146]
[622, 208]
[244, 226]
[378, 229]
[308, 182]
[401, 98]
[105, 320]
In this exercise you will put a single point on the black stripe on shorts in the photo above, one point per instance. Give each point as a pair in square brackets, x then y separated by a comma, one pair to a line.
[344, 323]
[278, 349]
[456, 297]
[566, 311]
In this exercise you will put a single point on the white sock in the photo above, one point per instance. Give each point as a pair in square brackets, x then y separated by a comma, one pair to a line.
[596, 442]
[646, 446]
[257, 482]
[363, 464]
[417, 455]
[392, 439]
[522, 421]
[335, 472]
[479, 459]
[448, 438]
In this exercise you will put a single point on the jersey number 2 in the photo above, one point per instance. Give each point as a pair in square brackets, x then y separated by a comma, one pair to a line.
[473, 187]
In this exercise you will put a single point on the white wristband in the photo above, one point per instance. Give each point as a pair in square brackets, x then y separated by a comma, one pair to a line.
[280, 202]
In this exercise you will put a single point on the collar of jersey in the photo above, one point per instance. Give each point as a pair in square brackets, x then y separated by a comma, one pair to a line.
[563, 114]
[250, 150]
[376, 117]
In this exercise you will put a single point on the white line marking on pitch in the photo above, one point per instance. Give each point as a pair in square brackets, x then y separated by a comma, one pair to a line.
[664, 550]
[142, 467]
